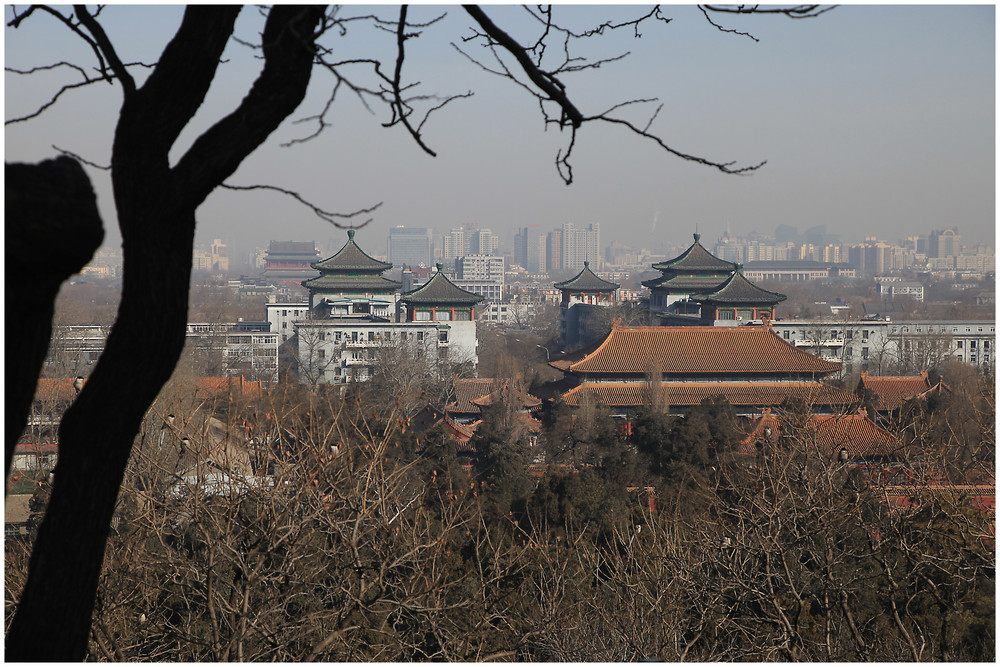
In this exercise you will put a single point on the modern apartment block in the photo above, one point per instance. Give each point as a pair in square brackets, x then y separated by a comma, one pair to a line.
[883, 346]
[410, 246]
[580, 246]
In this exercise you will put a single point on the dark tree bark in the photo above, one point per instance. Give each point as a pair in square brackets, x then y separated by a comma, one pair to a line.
[49, 207]
[156, 206]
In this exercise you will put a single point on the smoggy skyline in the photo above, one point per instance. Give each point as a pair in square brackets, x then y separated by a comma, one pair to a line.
[875, 121]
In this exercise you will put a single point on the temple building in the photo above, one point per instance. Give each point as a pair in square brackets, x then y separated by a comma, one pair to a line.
[290, 262]
[582, 295]
[886, 394]
[357, 322]
[699, 289]
[351, 283]
[850, 438]
[675, 368]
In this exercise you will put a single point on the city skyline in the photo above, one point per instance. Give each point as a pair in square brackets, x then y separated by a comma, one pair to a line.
[874, 121]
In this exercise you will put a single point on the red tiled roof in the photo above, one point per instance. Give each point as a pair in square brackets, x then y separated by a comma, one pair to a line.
[634, 394]
[893, 390]
[855, 433]
[699, 350]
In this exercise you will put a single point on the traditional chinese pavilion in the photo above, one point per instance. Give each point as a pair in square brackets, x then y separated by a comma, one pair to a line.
[678, 367]
[351, 283]
[698, 288]
[439, 300]
[580, 295]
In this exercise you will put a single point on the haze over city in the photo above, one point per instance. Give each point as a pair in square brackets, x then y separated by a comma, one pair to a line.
[874, 121]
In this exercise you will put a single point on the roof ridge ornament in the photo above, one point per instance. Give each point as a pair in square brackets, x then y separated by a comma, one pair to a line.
[350, 234]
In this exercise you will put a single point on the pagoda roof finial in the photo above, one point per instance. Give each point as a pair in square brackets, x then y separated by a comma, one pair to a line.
[350, 234]
[439, 266]
[697, 237]
[586, 263]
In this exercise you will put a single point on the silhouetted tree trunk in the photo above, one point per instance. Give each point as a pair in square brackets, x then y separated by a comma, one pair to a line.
[52, 230]
[156, 206]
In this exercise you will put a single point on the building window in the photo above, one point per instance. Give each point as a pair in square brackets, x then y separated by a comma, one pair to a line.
[864, 353]
[422, 316]
[972, 344]
[463, 315]
[786, 334]
[321, 353]
[442, 315]
[420, 336]
[958, 345]
[443, 336]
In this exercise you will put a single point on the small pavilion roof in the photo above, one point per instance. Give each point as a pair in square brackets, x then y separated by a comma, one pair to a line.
[440, 290]
[891, 391]
[855, 433]
[699, 350]
[695, 258]
[687, 394]
[351, 258]
[473, 394]
[587, 281]
[737, 289]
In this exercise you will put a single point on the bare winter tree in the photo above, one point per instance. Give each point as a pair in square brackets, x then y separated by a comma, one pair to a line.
[156, 195]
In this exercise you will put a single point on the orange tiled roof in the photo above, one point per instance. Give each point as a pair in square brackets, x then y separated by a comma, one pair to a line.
[56, 389]
[893, 390]
[634, 394]
[210, 386]
[473, 394]
[856, 433]
[699, 350]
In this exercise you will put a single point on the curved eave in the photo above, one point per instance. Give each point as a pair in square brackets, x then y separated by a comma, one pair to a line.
[440, 290]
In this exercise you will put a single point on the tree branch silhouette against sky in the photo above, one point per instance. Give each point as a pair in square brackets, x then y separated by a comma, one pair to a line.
[871, 120]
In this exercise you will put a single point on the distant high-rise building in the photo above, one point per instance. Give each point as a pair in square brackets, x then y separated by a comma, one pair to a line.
[220, 256]
[580, 245]
[455, 244]
[482, 242]
[553, 250]
[410, 246]
[944, 243]
[529, 249]
[729, 250]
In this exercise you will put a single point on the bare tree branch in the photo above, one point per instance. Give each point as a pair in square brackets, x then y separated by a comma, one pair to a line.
[107, 49]
[321, 213]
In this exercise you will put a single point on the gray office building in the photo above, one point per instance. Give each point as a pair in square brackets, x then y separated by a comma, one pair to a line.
[411, 246]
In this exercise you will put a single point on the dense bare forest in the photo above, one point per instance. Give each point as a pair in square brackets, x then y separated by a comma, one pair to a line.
[313, 525]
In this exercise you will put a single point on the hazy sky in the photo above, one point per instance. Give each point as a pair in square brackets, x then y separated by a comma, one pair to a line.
[873, 120]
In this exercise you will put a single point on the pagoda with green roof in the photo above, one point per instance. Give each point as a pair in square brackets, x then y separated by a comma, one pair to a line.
[698, 288]
[439, 300]
[738, 300]
[693, 271]
[351, 283]
[580, 295]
